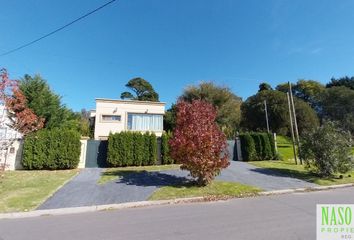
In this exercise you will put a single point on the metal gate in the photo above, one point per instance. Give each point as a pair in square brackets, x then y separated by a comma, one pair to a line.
[231, 147]
[96, 154]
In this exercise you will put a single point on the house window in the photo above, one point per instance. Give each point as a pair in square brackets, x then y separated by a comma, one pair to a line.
[145, 122]
[111, 118]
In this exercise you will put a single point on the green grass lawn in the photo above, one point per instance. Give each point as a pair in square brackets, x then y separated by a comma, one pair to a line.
[287, 166]
[298, 171]
[111, 174]
[25, 190]
[285, 148]
[215, 189]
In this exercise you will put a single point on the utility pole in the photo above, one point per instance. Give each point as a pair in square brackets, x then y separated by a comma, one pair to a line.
[295, 120]
[266, 114]
[292, 128]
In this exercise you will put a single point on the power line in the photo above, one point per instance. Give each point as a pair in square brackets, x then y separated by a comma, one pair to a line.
[57, 30]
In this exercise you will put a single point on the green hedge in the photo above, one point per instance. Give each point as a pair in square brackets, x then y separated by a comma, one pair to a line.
[257, 146]
[248, 147]
[267, 153]
[152, 148]
[257, 138]
[52, 149]
[131, 149]
[165, 149]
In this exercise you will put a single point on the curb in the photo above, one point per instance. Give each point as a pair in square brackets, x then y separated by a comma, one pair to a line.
[95, 208]
[120, 206]
[299, 190]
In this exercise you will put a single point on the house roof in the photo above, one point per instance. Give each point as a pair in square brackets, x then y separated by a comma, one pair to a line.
[129, 101]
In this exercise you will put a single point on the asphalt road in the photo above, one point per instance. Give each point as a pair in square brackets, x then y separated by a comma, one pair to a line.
[283, 217]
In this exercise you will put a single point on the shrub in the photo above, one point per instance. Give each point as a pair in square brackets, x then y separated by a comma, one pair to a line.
[152, 152]
[128, 148]
[115, 154]
[248, 148]
[165, 149]
[197, 142]
[52, 149]
[131, 149]
[327, 150]
[267, 148]
[258, 145]
[146, 159]
[139, 150]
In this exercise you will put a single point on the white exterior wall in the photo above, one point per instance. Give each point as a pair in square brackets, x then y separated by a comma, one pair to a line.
[83, 153]
[12, 156]
[122, 108]
[6, 132]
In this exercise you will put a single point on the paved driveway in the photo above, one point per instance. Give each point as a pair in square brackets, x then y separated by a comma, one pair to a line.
[83, 190]
[263, 178]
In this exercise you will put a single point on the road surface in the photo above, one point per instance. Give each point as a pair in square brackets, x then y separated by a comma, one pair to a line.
[283, 217]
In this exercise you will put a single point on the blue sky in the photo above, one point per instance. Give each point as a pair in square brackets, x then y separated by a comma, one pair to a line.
[176, 43]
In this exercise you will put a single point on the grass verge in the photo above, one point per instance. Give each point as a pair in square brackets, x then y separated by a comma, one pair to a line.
[288, 167]
[111, 174]
[215, 189]
[298, 171]
[25, 190]
[285, 148]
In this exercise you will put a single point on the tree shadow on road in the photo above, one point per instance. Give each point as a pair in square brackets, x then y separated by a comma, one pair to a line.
[306, 176]
[147, 178]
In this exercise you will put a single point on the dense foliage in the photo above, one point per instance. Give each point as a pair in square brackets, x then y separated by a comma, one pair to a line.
[165, 149]
[264, 86]
[197, 142]
[131, 149]
[169, 120]
[248, 147]
[52, 149]
[343, 81]
[253, 114]
[327, 150]
[338, 105]
[309, 91]
[22, 118]
[226, 103]
[332, 102]
[47, 104]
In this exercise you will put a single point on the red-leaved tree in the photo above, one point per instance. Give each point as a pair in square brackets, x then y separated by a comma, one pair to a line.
[22, 118]
[197, 142]
[15, 114]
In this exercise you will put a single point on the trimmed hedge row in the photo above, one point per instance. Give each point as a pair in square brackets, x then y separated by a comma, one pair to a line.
[165, 149]
[131, 149]
[257, 146]
[248, 147]
[52, 149]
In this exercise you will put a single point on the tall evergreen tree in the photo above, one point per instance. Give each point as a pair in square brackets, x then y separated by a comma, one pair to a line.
[142, 89]
[47, 104]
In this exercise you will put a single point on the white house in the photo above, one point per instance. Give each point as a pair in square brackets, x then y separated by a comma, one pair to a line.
[112, 115]
[10, 143]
